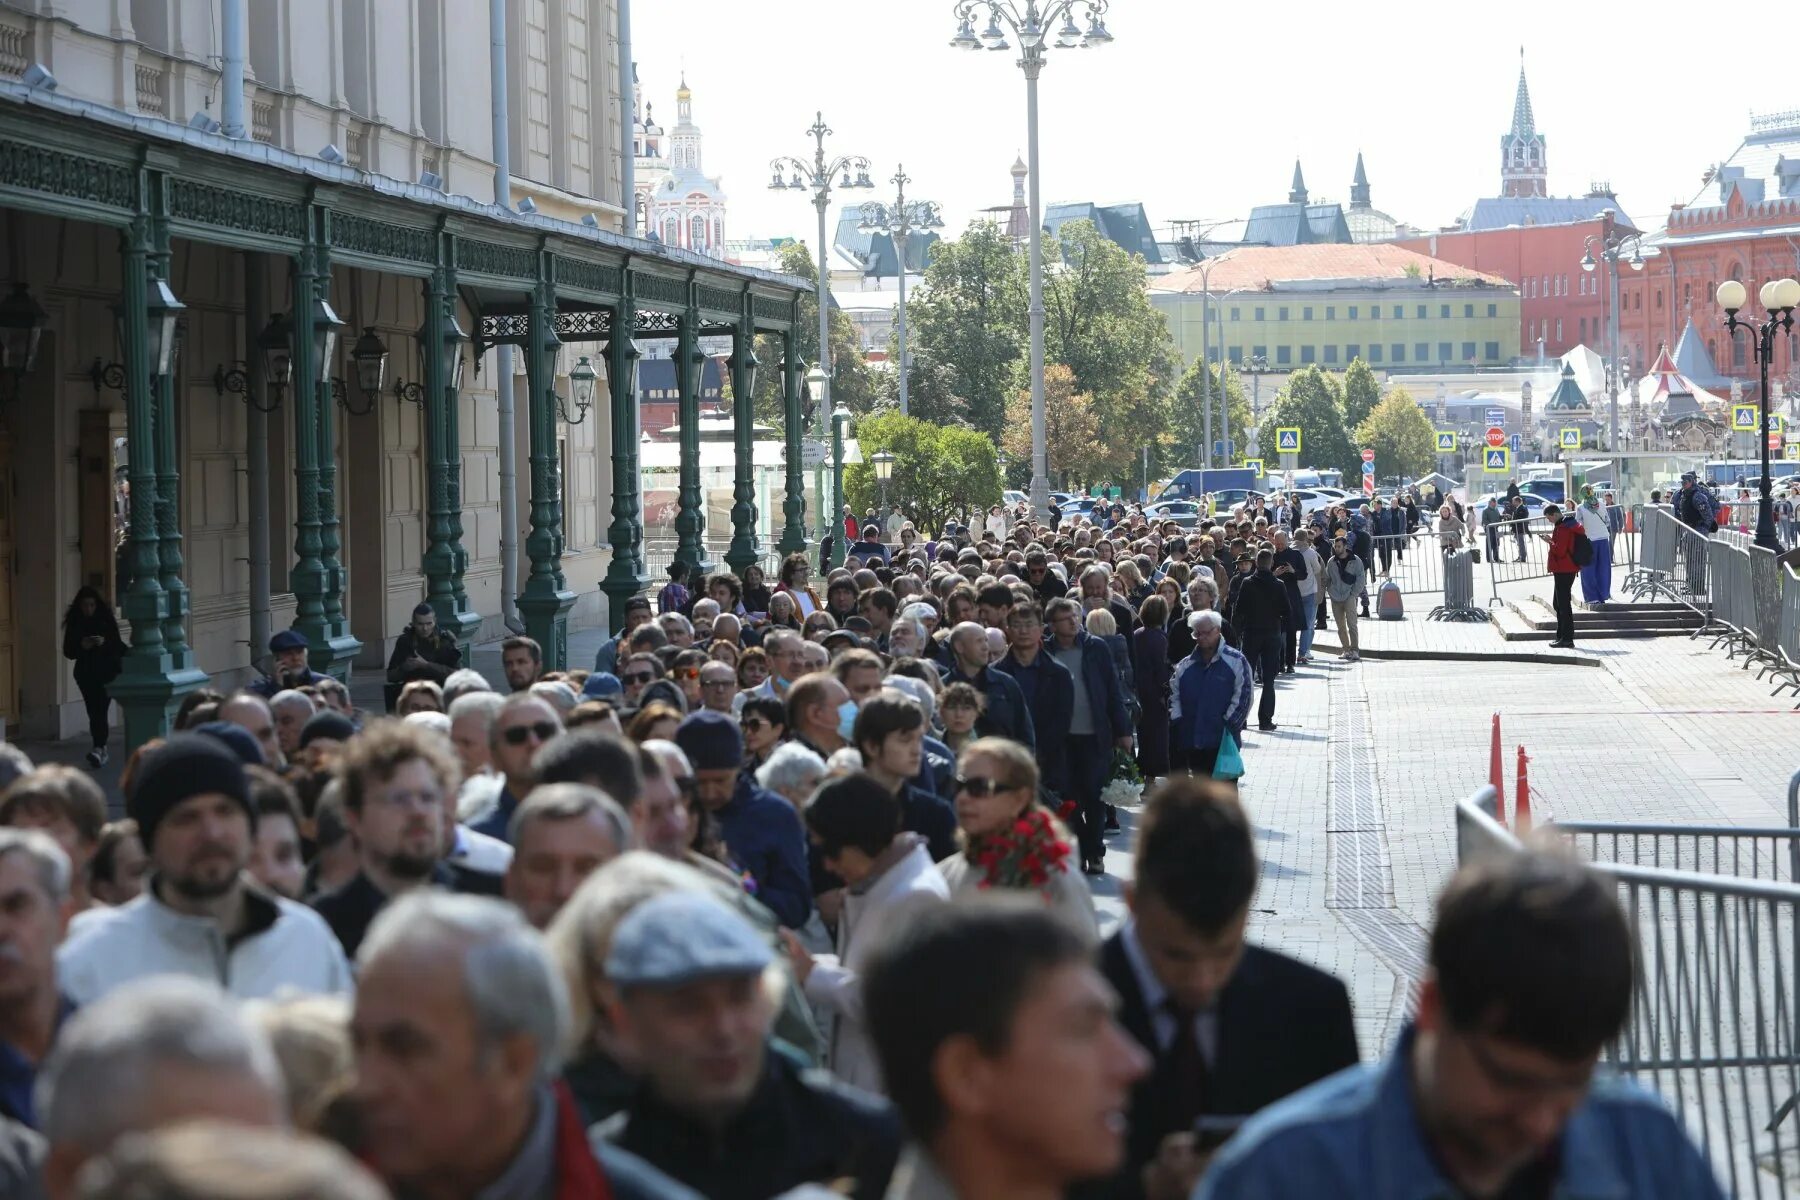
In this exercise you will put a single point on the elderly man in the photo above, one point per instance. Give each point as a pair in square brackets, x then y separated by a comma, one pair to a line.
[1212, 692]
[523, 723]
[34, 893]
[719, 1108]
[760, 829]
[1006, 714]
[251, 713]
[563, 833]
[460, 1024]
[154, 1054]
[200, 914]
[291, 671]
[471, 730]
[786, 662]
[292, 711]
[718, 686]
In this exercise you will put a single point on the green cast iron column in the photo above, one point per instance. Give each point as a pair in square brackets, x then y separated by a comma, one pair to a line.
[545, 602]
[334, 656]
[445, 560]
[165, 396]
[624, 575]
[690, 515]
[144, 688]
[307, 577]
[793, 504]
[743, 551]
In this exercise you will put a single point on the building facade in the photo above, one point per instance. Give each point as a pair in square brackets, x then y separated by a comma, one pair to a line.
[1293, 306]
[1744, 225]
[205, 314]
[684, 206]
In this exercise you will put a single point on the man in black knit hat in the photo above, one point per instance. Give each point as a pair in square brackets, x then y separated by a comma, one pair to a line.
[201, 914]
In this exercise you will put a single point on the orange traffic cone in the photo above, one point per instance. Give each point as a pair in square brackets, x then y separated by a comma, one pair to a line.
[1496, 779]
[1522, 811]
[1630, 525]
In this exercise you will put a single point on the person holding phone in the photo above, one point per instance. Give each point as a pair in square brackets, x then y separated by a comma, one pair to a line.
[1563, 570]
[91, 641]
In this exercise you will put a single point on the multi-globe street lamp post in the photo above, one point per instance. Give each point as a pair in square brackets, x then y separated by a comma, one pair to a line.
[1779, 299]
[816, 175]
[1032, 22]
[1612, 246]
[898, 221]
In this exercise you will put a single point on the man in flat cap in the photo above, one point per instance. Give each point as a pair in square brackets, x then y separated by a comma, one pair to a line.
[720, 1108]
[291, 670]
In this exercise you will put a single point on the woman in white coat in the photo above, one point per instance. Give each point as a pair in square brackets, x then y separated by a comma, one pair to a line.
[855, 823]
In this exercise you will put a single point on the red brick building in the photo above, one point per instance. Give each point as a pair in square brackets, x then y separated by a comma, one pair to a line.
[1744, 225]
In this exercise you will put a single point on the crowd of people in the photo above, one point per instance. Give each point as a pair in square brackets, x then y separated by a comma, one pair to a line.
[784, 896]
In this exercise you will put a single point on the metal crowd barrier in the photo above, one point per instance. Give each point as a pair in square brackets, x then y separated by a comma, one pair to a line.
[1459, 590]
[1712, 1022]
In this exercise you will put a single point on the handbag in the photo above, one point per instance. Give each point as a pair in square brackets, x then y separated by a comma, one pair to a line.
[1229, 764]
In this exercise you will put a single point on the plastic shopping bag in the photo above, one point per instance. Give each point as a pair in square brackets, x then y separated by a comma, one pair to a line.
[1229, 764]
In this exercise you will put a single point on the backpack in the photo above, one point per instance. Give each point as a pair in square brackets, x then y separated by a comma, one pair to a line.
[1581, 550]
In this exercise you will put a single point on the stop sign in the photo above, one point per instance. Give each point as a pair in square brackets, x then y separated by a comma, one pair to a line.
[1496, 436]
[1368, 456]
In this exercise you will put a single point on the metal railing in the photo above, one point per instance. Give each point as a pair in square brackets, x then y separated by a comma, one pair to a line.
[1459, 590]
[1712, 1021]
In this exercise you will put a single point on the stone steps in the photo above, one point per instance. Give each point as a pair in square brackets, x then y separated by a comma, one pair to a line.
[1533, 619]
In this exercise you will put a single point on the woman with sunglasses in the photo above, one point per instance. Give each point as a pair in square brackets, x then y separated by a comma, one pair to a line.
[1008, 839]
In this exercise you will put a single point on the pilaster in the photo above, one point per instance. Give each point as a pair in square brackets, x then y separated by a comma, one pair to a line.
[625, 575]
[545, 601]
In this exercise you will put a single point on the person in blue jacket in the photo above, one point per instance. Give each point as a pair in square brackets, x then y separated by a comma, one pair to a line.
[1212, 693]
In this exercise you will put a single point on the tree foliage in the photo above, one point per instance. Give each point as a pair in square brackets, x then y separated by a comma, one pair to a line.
[970, 319]
[1362, 392]
[1401, 435]
[939, 471]
[1187, 424]
[852, 382]
[1071, 428]
[1311, 400]
[931, 391]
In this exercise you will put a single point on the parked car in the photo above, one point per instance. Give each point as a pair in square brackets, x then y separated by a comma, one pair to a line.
[1185, 513]
[1534, 504]
[1012, 497]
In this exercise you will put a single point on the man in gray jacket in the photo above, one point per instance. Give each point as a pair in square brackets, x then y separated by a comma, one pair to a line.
[200, 915]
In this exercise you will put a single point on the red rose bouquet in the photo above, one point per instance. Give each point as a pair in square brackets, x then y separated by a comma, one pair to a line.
[1026, 854]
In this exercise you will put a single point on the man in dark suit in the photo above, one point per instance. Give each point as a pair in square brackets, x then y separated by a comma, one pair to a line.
[1231, 1027]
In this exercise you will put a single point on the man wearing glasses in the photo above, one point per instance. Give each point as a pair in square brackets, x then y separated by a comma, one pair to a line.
[640, 670]
[523, 723]
[718, 687]
[1491, 1090]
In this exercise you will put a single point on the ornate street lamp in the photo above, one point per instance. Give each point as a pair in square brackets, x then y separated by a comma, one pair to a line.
[1612, 246]
[817, 176]
[1031, 22]
[1779, 299]
[898, 222]
[840, 417]
[750, 365]
[582, 383]
[22, 322]
[883, 462]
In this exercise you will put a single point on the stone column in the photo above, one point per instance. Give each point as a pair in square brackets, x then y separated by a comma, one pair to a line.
[165, 396]
[743, 551]
[445, 561]
[545, 601]
[624, 575]
[690, 515]
[793, 505]
[307, 577]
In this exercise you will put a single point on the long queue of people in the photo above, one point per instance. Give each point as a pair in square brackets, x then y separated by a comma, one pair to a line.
[784, 896]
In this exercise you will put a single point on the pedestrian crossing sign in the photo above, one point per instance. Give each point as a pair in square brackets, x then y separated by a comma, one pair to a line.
[1571, 439]
[1255, 464]
[1743, 418]
[1791, 450]
[1446, 441]
[1498, 459]
[1287, 439]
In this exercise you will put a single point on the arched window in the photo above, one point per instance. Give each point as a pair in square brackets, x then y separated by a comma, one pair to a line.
[698, 228]
[671, 231]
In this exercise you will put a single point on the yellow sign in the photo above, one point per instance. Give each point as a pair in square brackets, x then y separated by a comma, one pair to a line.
[1446, 441]
[1287, 439]
[1777, 423]
[1571, 439]
[1743, 418]
[1255, 464]
[1791, 450]
[1497, 460]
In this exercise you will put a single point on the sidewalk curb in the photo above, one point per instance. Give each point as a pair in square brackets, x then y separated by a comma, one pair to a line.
[1555, 660]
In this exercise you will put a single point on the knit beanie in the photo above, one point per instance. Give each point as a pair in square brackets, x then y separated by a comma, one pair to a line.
[185, 766]
[711, 740]
[236, 739]
[333, 726]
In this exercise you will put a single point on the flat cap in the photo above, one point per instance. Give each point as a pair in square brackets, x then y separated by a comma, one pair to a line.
[678, 938]
[287, 639]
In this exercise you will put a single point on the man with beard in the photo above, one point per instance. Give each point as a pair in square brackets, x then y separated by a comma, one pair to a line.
[394, 777]
[522, 661]
[201, 915]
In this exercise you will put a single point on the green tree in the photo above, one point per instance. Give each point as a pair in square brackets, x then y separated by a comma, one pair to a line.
[852, 382]
[1098, 320]
[971, 316]
[1401, 435]
[1311, 401]
[1362, 392]
[1071, 429]
[1186, 437]
[931, 391]
[939, 472]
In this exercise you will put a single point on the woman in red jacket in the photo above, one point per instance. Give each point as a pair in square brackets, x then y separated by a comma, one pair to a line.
[1562, 571]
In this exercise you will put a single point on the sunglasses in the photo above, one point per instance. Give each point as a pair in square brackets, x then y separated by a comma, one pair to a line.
[517, 735]
[979, 787]
[754, 724]
[687, 673]
[636, 677]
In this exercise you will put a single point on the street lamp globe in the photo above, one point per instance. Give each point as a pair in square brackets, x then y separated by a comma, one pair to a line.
[1637, 259]
[1787, 293]
[1587, 261]
[883, 463]
[1731, 295]
[369, 357]
[1766, 294]
[582, 382]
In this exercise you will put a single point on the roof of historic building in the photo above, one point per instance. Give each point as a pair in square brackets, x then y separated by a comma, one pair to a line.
[874, 252]
[1568, 396]
[1694, 361]
[1262, 268]
[1504, 212]
[1125, 225]
[1756, 191]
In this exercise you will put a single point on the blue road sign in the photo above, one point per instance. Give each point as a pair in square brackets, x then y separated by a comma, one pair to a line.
[1368, 468]
[1496, 416]
[1517, 442]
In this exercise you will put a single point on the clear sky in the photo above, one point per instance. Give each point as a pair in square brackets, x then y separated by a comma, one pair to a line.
[1199, 109]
